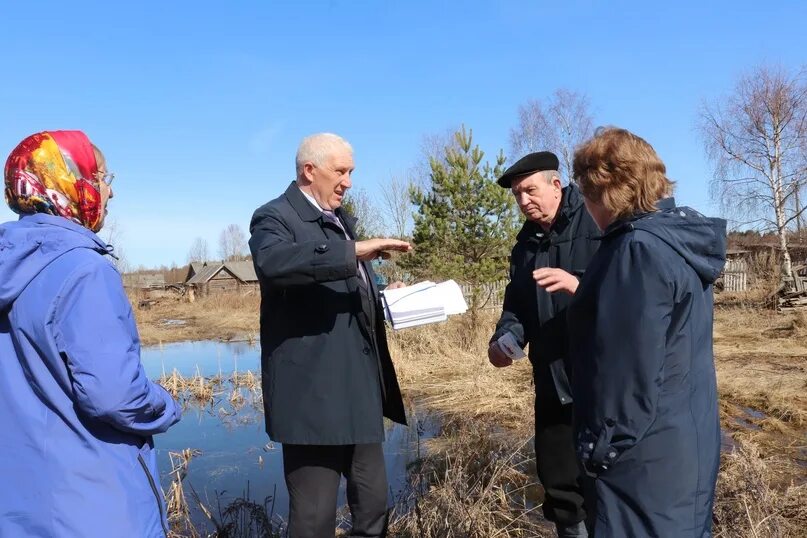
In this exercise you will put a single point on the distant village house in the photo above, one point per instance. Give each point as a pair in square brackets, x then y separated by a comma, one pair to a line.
[216, 277]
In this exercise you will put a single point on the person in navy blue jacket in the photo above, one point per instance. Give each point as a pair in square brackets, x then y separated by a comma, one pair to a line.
[77, 412]
[646, 416]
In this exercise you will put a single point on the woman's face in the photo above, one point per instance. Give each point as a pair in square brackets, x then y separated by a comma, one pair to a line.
[602, 217]
[104, 189]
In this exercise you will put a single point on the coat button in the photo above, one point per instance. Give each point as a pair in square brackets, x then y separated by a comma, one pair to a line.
[366, 351]
[321, 248]
[610, 422]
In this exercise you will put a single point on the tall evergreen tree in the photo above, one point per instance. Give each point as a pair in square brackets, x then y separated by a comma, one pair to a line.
[465, 223]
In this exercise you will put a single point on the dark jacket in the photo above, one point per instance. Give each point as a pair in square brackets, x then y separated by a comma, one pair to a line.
[646, 417]
[532, 314]
[327, 372]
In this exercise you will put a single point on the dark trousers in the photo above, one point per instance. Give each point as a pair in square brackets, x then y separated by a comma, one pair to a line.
[558, 469]
[312, 475]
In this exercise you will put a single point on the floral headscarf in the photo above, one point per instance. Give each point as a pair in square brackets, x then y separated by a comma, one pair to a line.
[54, 172]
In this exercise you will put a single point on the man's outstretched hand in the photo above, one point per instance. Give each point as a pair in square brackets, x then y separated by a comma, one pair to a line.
[370, 249]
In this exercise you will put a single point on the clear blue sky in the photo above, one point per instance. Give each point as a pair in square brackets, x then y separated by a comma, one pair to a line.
[199, 106]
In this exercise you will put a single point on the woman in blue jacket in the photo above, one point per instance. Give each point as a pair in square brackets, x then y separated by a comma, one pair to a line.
[646, 416]
[77, 411]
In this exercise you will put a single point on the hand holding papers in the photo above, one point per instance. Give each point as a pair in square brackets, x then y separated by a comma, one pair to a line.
[421, 303]
[508, 344]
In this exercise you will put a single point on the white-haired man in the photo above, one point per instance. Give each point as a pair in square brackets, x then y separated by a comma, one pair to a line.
[328, 379]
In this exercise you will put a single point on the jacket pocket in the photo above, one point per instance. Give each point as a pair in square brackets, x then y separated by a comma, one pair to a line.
[594, 449]
[154, 490]
[561, 381]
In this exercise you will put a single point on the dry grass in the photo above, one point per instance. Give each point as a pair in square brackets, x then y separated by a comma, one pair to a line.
[761, 360]
[748, 504]
[468, 485]
[179, 513]
[471, 486]
[231, 316]
[446, 367]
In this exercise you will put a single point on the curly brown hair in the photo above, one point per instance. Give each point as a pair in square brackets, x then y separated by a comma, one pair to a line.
[621, 171]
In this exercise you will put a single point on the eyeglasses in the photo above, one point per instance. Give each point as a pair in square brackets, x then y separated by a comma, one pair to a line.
[106, 177]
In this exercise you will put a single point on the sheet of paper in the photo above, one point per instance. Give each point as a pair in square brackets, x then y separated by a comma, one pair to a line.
[507, 343]
[422, 303]
[453, 300]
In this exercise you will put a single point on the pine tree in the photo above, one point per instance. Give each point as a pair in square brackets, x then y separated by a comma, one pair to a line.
[465, 223]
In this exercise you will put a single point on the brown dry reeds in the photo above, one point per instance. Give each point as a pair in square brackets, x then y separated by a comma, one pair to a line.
[175, 384]
[200, 389]
[747, 503]
[457, 380]
[179, 514]
[760, 359]
[471, 486]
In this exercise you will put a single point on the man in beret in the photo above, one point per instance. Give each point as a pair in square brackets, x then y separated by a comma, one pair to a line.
[551, 252]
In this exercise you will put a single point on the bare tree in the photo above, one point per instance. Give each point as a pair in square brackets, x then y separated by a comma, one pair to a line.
[198, 251]
[232, 243]
[756, 138]
[358, 203]
[432, 146]
[112, 235]
[397, 205]
[557, 124]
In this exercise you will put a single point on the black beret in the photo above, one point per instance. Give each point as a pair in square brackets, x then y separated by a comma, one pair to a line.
[529, 164]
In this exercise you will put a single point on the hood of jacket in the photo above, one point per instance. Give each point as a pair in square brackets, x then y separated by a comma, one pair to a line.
[699, 240]
[31, 243]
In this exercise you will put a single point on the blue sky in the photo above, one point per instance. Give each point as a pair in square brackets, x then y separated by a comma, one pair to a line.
[199, 106]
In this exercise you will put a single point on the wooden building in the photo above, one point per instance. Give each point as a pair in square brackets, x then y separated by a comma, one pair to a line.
[218, 277]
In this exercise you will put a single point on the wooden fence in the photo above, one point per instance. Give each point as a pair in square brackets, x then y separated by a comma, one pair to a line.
[490, 295]
[735, 275]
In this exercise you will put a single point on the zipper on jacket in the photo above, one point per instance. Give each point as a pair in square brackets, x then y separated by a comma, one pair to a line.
[153, 490]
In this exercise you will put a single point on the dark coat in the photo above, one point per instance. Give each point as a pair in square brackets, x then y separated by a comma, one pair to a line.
[327, 372]
[532, 314]
[646, 416]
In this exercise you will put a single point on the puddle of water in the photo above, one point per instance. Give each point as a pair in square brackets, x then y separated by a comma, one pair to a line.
[173, 322]
[744, 424]
[753, 413]
[210, 356]
[236, 453]
[727, 442]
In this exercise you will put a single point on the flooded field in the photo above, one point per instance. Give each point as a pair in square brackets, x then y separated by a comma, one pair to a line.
[223, 425]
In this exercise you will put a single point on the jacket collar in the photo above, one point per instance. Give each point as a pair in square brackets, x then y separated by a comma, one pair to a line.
[309, 213]
[618, 226]
[301, 205]
[41, 219]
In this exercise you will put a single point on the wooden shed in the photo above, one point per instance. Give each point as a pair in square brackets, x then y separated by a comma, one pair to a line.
[224, 277]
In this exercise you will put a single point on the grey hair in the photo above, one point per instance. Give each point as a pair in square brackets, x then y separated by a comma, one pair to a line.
[549, 174]
[318, 147]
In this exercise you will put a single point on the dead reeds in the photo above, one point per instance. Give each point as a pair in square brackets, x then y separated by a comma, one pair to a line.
[471, 486]
[466, 484]
[179, 513]
[201, 390]
[749, 505]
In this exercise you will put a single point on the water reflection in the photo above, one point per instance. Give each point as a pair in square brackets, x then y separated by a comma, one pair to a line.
[235, 452]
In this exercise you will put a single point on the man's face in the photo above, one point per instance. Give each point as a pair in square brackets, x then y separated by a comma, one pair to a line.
[537, 199]
[331, 180]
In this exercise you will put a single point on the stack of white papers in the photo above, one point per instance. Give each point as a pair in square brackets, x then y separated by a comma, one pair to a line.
[421, 303]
